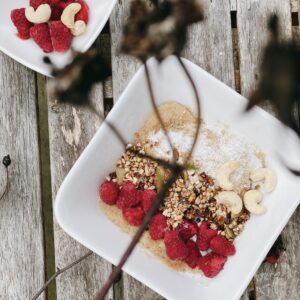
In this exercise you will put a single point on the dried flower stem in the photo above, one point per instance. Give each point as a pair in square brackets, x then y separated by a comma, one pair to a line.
[155, 108]
[197, 98]
[160, 196]
[59, 272]
[176, 171]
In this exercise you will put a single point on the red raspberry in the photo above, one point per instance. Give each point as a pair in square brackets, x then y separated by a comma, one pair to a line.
[193, 254]
[129, 196]
[134, 216]
[41, 35]
[222, 246]
[60, 35]
[22, 24]
[187, 230]
[211, 264]
[272, 259]
[158, 226]
[148, 197]
[109, 192]
[205, 234]
[36, 3]
[175, 246]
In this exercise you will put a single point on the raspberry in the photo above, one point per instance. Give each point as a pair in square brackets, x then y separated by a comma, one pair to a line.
[187, 230]
[134, 216]
[41, 35]
[109, 192]
[193, 254]
[60, 35]
[211, 264]
[205, 234]
[148, 197]
[272, 259]
[22, 24]
[222, 246]
[158, 226]
[175, 246]
[36, 3]
[129, 196]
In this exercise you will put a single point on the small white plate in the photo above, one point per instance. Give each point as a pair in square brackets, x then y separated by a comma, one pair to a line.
[78, 212]
[30, 55]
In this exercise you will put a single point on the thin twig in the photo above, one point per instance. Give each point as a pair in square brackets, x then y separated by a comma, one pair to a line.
[156, 110]
[59, 272]
[162, 193]
[197, 98]
[6, 185]
[161, 162]
[116, 271]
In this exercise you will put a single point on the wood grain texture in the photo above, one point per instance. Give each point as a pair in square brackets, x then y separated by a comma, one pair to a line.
[210, 42]
[70, 130]
[283, 280]
[21, 232]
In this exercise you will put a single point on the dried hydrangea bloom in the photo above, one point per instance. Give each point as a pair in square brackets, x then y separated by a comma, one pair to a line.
[73, 83]
[159, 30]
[280, 78]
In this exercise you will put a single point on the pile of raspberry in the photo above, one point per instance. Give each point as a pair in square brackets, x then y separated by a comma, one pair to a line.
[197, 245]
[52, 35]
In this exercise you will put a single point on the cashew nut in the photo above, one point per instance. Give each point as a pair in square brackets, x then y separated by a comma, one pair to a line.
[232, 200]
[79, 28]
[69, 13]
[41, 15]
[252, 199]
[269, 177]
[223, 175]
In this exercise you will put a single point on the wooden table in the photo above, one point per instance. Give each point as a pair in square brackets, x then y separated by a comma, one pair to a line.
[45, 138]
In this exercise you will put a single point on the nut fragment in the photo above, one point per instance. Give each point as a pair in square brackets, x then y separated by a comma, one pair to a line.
[232, 200]
[120, 173]
[69, 13]
[41, 15]
[269, 177]
[223, 175]
[252, 199]
[79, 28]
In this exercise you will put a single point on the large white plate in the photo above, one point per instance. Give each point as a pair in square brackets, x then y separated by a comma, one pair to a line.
[30, 55]
[77, 209]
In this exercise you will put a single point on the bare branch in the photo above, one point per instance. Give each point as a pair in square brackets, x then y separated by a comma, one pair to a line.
[155, 108]
[116, 271]
[59, 272]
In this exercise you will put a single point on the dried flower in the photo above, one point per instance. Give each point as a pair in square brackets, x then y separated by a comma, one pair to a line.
[159, 30]
[280, 78]
[73, 83]
[6, 161]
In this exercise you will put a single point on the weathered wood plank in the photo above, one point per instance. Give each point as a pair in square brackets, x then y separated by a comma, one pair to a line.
[21, 230]
[70, 130]
[210, 42]
[283, 281]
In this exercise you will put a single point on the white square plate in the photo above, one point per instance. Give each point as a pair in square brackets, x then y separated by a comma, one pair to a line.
[30, 55]
[77, 209]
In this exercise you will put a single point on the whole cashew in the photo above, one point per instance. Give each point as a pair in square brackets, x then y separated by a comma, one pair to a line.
[69, 13]
[223, 175]
[41, 15]
[79, 28]
[252, 199]
[232, 200]
[269, 177]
